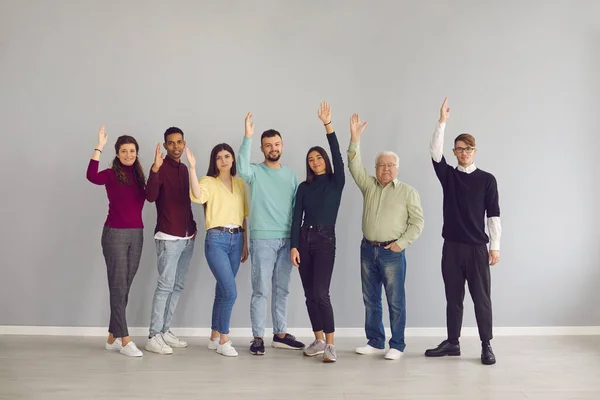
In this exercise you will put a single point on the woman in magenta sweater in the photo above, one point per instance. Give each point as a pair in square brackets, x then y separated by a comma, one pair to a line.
[122, 235]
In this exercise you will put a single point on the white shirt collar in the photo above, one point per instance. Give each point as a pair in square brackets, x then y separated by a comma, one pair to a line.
[467, 170]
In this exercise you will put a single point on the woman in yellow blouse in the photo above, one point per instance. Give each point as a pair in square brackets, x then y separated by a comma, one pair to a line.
[226, 245]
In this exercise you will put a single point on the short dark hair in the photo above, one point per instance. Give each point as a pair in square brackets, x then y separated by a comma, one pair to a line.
[465, 137]
[171, 131]
[269, 133]
[310, 175]
[213, 170]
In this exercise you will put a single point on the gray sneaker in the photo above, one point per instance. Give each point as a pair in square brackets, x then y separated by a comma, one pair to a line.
[329, 354]
[317, 347]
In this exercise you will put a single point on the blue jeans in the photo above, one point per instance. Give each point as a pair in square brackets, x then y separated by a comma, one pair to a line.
[383, 267]
[270, 264]
[223, 252]
[173, 263]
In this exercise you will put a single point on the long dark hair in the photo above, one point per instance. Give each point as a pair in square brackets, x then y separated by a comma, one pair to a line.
[138, 172]
[213, 170]
[310, 175]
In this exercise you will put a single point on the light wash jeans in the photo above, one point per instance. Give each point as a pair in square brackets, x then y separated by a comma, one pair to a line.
[173, 263]
[381, 267]
[271, 264]
[223, 252]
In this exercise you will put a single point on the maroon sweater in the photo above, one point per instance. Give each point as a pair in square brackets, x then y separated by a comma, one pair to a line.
[125, 202]
[169, 188]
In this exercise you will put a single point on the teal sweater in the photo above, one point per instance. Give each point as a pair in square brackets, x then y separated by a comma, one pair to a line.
[273, 194]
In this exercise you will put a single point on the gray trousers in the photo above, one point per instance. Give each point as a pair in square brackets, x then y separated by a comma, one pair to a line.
[122, 249]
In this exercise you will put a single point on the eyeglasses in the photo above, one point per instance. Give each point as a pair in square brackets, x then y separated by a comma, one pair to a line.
[467, 150]
[390, 165]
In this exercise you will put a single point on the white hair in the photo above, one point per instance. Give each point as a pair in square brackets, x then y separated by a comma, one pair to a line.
[388, 153]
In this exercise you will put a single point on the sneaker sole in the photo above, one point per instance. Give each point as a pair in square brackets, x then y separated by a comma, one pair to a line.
[177, 346]
[257, 353]
[159, 352]
[328, 360]
[314, 354]
[278, 345]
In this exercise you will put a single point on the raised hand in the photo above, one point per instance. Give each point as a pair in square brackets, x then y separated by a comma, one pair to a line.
[444, 111]
[295, 257]
[102, 138]
[356, 127]
[325, 112]
[158, 159]
[249, 125]
[190, 157]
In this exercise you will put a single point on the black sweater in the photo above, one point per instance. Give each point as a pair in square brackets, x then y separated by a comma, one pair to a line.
[319, 201]
[467, 199]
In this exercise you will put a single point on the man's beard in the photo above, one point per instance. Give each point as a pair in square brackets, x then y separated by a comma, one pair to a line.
[274, 159]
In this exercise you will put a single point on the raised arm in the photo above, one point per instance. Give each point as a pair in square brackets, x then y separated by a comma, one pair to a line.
[153, 184]
[334, 146]
[355, 165]
[436, 146]
[243, 161]
[92, 175]
[199, 192]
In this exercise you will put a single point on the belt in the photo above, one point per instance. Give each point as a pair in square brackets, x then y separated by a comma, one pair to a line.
[378, 244]
[230, 230]
[319, 227]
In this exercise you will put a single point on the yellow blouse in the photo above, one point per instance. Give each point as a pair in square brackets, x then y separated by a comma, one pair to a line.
[222, 206]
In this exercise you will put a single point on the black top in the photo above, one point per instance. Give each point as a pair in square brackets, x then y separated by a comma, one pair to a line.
[467, 199]
[170, 189]
[319, 200]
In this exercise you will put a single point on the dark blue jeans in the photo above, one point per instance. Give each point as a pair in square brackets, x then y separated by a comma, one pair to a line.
[381, 267]
[223, 252]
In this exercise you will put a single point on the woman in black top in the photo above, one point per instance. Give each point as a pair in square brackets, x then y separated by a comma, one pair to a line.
[313, 242]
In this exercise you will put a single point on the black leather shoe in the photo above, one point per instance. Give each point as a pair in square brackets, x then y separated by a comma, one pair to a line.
[444, 349]
[487, 355]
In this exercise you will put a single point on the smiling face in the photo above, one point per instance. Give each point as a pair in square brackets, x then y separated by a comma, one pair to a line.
[386, 169]
[127, 154]
[272, 148]
[316, 162]
[175, 146]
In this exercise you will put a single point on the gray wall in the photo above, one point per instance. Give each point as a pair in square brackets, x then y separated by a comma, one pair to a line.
[521, 76]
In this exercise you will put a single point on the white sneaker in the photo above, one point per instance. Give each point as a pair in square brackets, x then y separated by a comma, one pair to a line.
[227, 350]
[212, 344]
[173, 340]
[116, 345]
[131, 350]
[393, 354]
[367, 349]
[157, 345]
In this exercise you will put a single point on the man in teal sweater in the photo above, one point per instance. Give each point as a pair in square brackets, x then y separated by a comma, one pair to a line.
[273, 192]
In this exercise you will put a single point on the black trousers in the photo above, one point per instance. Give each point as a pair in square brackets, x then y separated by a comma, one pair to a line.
[317, 256]
[462, 262]
[122, 249]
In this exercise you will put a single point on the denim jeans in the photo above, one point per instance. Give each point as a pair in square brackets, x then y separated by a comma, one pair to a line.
[223, 252]
[270, 264]
[317, 256]
[383, 267]
[173, 262]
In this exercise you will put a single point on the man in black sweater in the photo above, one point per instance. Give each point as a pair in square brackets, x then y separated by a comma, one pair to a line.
[469, 194]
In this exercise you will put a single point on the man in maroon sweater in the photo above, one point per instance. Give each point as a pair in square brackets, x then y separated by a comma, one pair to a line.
[169, 186]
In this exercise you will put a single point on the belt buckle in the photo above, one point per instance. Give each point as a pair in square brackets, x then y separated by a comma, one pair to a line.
[230, 230]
